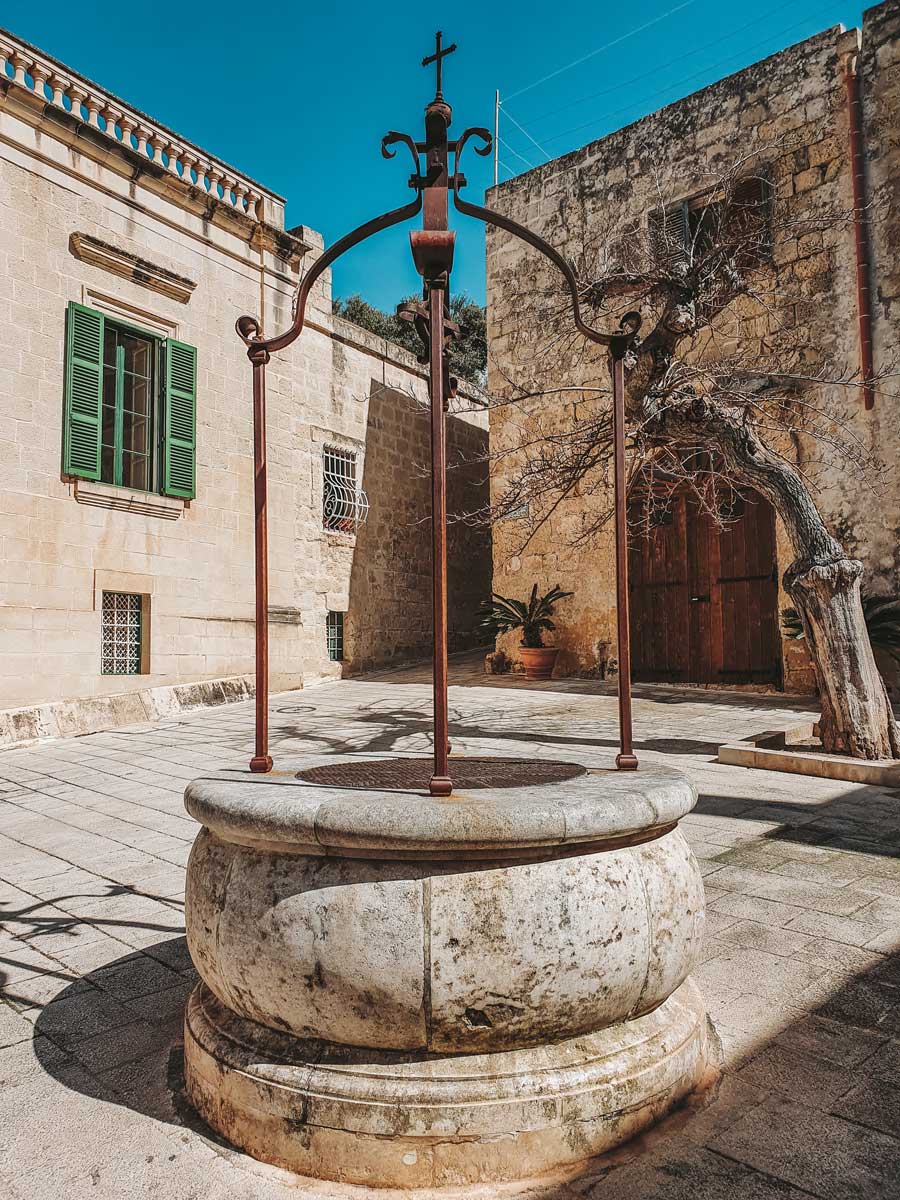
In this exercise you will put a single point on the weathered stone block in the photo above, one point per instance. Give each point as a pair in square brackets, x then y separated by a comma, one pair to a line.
[805, 180]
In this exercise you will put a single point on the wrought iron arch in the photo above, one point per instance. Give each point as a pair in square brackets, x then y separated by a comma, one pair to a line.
[432, 250]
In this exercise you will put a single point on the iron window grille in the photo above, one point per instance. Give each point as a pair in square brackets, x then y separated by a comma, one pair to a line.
[345, 505]
[334, 635]
[121, 633]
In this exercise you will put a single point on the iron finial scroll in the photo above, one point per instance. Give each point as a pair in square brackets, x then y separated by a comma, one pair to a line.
[432, 248]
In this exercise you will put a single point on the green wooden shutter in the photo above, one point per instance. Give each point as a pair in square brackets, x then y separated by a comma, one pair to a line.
[83, 392]
[180, 421]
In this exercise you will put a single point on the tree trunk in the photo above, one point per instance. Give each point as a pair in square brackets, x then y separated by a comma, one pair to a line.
[856, 713]
[823, 582]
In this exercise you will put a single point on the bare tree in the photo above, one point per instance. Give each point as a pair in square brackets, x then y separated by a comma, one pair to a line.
[706, 412]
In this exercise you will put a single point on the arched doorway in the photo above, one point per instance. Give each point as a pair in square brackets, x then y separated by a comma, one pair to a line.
[704, 596]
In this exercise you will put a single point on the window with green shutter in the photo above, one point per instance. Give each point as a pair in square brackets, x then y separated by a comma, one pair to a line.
[180, 404]
[84, 390]
[130, 406]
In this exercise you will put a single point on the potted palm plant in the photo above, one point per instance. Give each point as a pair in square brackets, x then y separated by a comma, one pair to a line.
[502, 614]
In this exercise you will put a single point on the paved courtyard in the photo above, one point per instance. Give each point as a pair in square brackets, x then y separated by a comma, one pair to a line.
[801, 968]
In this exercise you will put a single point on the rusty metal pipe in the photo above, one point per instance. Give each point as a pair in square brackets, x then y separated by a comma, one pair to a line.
[625, 759]
[860, 230]
[261, 760]
[440, 784]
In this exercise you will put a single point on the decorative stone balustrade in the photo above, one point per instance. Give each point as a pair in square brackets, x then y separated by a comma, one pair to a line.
[65, 89]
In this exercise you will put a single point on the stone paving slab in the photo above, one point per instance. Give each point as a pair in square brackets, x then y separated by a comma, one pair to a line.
[801, 965]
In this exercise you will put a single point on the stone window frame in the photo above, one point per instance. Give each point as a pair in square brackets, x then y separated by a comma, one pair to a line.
[120, 310]
[674, 228]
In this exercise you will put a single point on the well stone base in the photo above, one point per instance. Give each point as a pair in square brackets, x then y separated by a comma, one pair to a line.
[394, 1118]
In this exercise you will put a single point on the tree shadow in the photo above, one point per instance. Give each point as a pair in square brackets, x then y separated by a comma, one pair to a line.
[45, 927]
[843, 822]
[117, 1034]
[393, 724]
[396, 725]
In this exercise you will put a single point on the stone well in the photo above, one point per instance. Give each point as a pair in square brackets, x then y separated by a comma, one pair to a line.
[410, 991]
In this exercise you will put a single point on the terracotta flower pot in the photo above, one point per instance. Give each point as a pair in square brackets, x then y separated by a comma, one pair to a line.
[539, 661]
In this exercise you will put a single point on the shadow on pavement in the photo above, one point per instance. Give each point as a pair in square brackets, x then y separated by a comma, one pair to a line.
[117, 1033]
[843, 822]
[118, 1039]
[398, 725]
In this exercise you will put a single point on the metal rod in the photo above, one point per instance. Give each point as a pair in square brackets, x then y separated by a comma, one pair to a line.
[625, 759]
[496, 137]
[261, 760]
[441, 784]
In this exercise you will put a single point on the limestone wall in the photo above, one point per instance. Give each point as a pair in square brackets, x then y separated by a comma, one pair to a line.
[60, 177]
[792, 109]
[389, 588]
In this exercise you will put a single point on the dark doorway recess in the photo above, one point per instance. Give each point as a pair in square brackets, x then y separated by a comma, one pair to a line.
[704, 597]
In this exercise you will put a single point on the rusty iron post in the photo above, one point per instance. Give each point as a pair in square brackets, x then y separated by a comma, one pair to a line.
[625, 759]
[261, 760]
[432, 249]
[440, 784]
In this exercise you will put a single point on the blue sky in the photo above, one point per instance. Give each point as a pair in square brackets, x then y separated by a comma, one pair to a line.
[304, 111]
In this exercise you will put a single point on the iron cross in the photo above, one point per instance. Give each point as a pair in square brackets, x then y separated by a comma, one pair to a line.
[439, 55]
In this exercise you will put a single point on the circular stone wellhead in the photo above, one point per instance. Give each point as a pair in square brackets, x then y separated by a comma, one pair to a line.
[408, 991]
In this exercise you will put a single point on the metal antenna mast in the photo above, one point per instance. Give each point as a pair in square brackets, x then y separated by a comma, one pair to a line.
[496, 137]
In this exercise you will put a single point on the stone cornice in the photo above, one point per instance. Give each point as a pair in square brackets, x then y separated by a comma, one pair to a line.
[124, 160]
[99, 126]
[131, 266]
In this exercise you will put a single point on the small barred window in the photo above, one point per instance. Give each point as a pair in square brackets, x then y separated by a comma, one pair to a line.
[344, 504]
[121, 633]
[334, 635]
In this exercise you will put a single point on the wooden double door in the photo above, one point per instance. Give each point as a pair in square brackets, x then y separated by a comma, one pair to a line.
[704, 597]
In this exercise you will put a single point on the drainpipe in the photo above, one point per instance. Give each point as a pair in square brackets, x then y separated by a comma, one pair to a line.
[860, 222]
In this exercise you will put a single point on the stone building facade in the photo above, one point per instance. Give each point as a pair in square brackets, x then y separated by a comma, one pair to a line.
[126, 254]
[793, 112]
